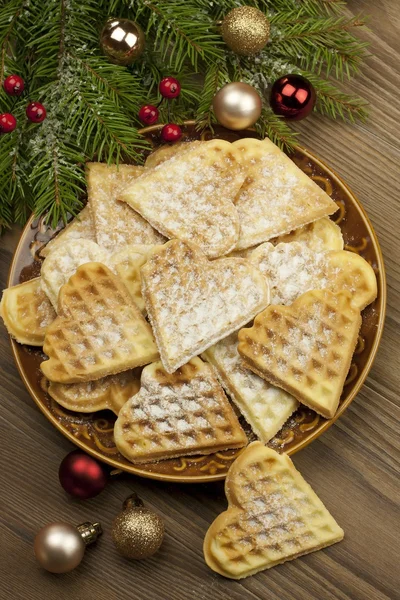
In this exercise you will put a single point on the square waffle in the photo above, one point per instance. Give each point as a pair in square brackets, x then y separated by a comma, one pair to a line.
[99, 329]
[193, 302]
[190, 196]
[116, 224]
[177, 415]
[265, 407]
[27, 312]
[90, 396]
[80, 228]
[293, 268]
[273, 516]
[305, 348]
[276, 196]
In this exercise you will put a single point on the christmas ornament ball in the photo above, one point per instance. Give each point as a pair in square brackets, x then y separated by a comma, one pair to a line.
[169, 87]
[148, 114]
[14, 85]
[81, 475]
[245, 30]
[171, 132]
[7, 123]
[137, 532]
[237, 105]
[36, 112]
[59, 547]
[292, 97]
[122, 40]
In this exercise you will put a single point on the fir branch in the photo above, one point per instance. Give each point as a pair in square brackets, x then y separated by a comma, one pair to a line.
[276, 129]
[216, 76]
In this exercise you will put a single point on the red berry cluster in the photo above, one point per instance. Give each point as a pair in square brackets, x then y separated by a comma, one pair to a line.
[14, 85]
[169, 88]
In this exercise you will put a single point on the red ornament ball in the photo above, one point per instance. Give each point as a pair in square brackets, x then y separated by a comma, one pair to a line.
[169, 87]
[81, 475]
[7, 123]
[36, 112]
[14, 85]
[171, 132]
[292, 97]
[148, 114]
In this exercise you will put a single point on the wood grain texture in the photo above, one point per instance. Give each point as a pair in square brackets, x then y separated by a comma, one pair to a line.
[354, 466]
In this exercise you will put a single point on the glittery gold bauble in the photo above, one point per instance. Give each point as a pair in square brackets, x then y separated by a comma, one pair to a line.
[122, 40]
[245, 30]
[237, 105]
[137, 532]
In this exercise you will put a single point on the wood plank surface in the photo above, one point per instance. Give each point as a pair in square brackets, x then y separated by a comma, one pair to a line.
[353, 467]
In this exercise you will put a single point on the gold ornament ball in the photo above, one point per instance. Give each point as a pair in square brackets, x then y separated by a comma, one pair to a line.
[237, 105]
[245, 30]
[122, 40]
[137, 531]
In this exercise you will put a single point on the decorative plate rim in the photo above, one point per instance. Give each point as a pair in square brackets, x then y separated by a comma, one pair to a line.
[134, 469]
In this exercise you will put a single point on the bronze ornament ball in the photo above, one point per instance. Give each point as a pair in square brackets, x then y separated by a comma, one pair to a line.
[122, 40]
[245, 30]
[59, 547]
[237, 105]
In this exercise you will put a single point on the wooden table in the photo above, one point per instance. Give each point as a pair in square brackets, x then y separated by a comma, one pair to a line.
[354, 467]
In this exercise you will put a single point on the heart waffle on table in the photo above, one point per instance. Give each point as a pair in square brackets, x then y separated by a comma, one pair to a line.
[191, 195]
[27, 312]
[265, 407]
[99, 329]
[273, 516]
[192, 302]
[177, 414]
[305, 348]
[128, 263]
[116, 224]
[80, 228]
[64, 260]
[276, 196]
[293, 269]
[320, 236]
[107, 393]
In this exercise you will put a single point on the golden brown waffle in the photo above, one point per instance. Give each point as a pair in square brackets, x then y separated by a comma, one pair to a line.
[116, 224]
[265, 407]
[190, 196]
[64, 260]
[27, 312]
[166, 152]
[273, 516]
[193, 302]
[320, 236]
[99, 330]
[80, 228]
[128, 263]
[293, 269]
[177, 415]
[276, 196]
[107, 393]
[305, 348]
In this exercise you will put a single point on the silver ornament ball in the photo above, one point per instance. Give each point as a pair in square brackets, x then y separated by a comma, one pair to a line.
[237, 105]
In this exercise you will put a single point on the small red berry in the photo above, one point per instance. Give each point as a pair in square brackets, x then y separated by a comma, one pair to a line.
[36, 112]
[169, 87]
[7, 123]
[171, 132]
[14, 85]
[148, 114]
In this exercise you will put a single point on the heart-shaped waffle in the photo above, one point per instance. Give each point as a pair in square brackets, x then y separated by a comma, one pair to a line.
[177, 415]
[165, 152]
[320, 236]
[116, 224]
[193, 302]
[276, 196]
[80, 228]
[99, 330]
[90, 396]
[190, 196]
[273, 516]
[293, 269]
[305, 348]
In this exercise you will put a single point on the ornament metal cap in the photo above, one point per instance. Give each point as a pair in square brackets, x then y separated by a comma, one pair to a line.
[89, 532]
[132, 501]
